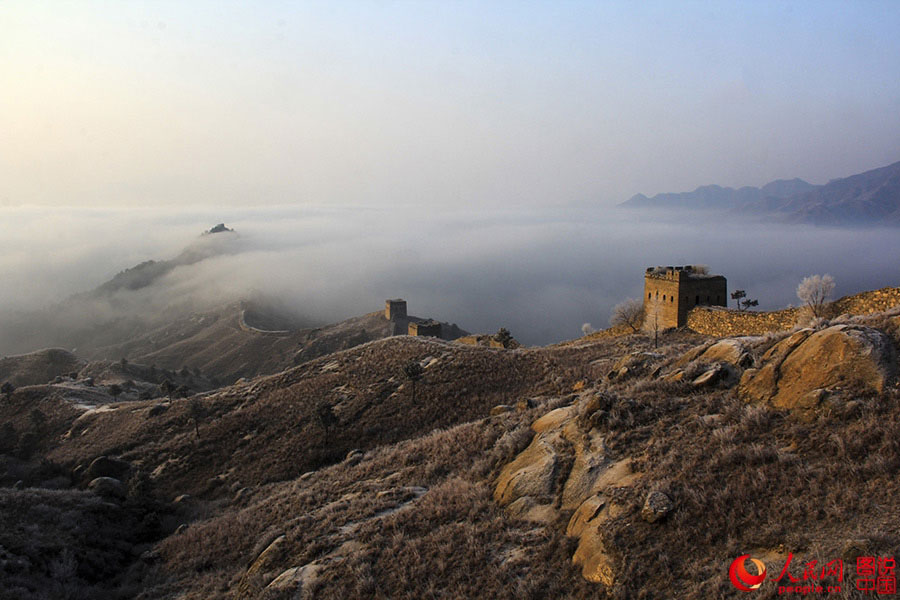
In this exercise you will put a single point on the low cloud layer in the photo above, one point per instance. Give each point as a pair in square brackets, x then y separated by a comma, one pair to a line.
[541, 274]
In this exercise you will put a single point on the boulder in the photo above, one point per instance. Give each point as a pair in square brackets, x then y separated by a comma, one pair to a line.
[296, 579]
[524, 404]
[500, 409]
[709, 378]
[799, 371]
[107, 487]
[107, 466]
[656, 507]
[731, 351]
[633, 365]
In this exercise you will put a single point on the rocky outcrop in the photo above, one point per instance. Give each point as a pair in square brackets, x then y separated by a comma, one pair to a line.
[800, 371]
[713, 364]
[260, 573]
[566, 468]
[733, 351]
[634, 365]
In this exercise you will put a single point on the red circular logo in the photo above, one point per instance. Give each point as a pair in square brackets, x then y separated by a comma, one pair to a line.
[741, 578]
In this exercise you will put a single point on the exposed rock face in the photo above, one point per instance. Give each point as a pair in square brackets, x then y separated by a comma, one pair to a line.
[798, 372]
[259, 573]
[532, 473]
[566, 468]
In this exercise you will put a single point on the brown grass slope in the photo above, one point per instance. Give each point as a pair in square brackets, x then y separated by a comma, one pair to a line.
[222, 344]
[38, 367]
[269, 429]
[283, 511]
[410, 520]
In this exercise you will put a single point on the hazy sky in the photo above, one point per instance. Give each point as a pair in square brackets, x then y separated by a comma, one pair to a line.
[437, 103]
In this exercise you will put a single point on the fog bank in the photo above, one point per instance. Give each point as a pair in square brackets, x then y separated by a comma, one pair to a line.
[539, 273]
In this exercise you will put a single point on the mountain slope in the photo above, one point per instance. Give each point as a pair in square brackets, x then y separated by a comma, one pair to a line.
[870, 198]
[335, 479]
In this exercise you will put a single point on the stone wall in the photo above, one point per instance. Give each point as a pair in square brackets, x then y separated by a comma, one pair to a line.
[725, 323]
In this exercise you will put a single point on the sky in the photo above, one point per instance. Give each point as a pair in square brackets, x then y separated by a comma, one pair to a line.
[429, 105]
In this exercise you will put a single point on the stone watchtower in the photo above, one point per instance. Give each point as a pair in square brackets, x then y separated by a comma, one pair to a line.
[670, 292]
[429, 328]
[395, 310]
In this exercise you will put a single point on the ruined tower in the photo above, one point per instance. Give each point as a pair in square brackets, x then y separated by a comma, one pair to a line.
[395, 310]
[430, 328]
[670, 292]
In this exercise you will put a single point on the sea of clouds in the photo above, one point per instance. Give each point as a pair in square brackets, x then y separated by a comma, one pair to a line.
[539, 273]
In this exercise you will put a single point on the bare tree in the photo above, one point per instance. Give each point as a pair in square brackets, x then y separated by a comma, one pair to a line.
[630, 313]
[414, 372]
[814, 291]
[197, 412]
[651, 318]
[325, 416]
[587, 329]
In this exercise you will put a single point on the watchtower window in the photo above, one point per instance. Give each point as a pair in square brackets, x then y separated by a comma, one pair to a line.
[664, 297]
[649, 295]
[671, 299]
[696, 300]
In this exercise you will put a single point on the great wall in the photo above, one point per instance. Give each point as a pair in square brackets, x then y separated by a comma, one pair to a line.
[722, 322]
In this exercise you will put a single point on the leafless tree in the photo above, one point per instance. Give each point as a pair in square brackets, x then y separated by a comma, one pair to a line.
[587, 329]
[630, 313]
[814, 291]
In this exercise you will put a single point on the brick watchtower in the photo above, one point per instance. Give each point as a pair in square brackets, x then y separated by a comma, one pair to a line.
[395, 310]
[670, 292]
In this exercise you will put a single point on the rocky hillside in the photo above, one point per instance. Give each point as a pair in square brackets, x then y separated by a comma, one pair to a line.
[604, 468]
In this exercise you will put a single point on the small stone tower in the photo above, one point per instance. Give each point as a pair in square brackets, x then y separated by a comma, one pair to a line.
[670, 292]
[429, 328]
[395, 310]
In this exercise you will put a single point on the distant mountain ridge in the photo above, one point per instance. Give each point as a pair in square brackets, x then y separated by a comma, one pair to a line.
[868, 198]
[146, 273]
